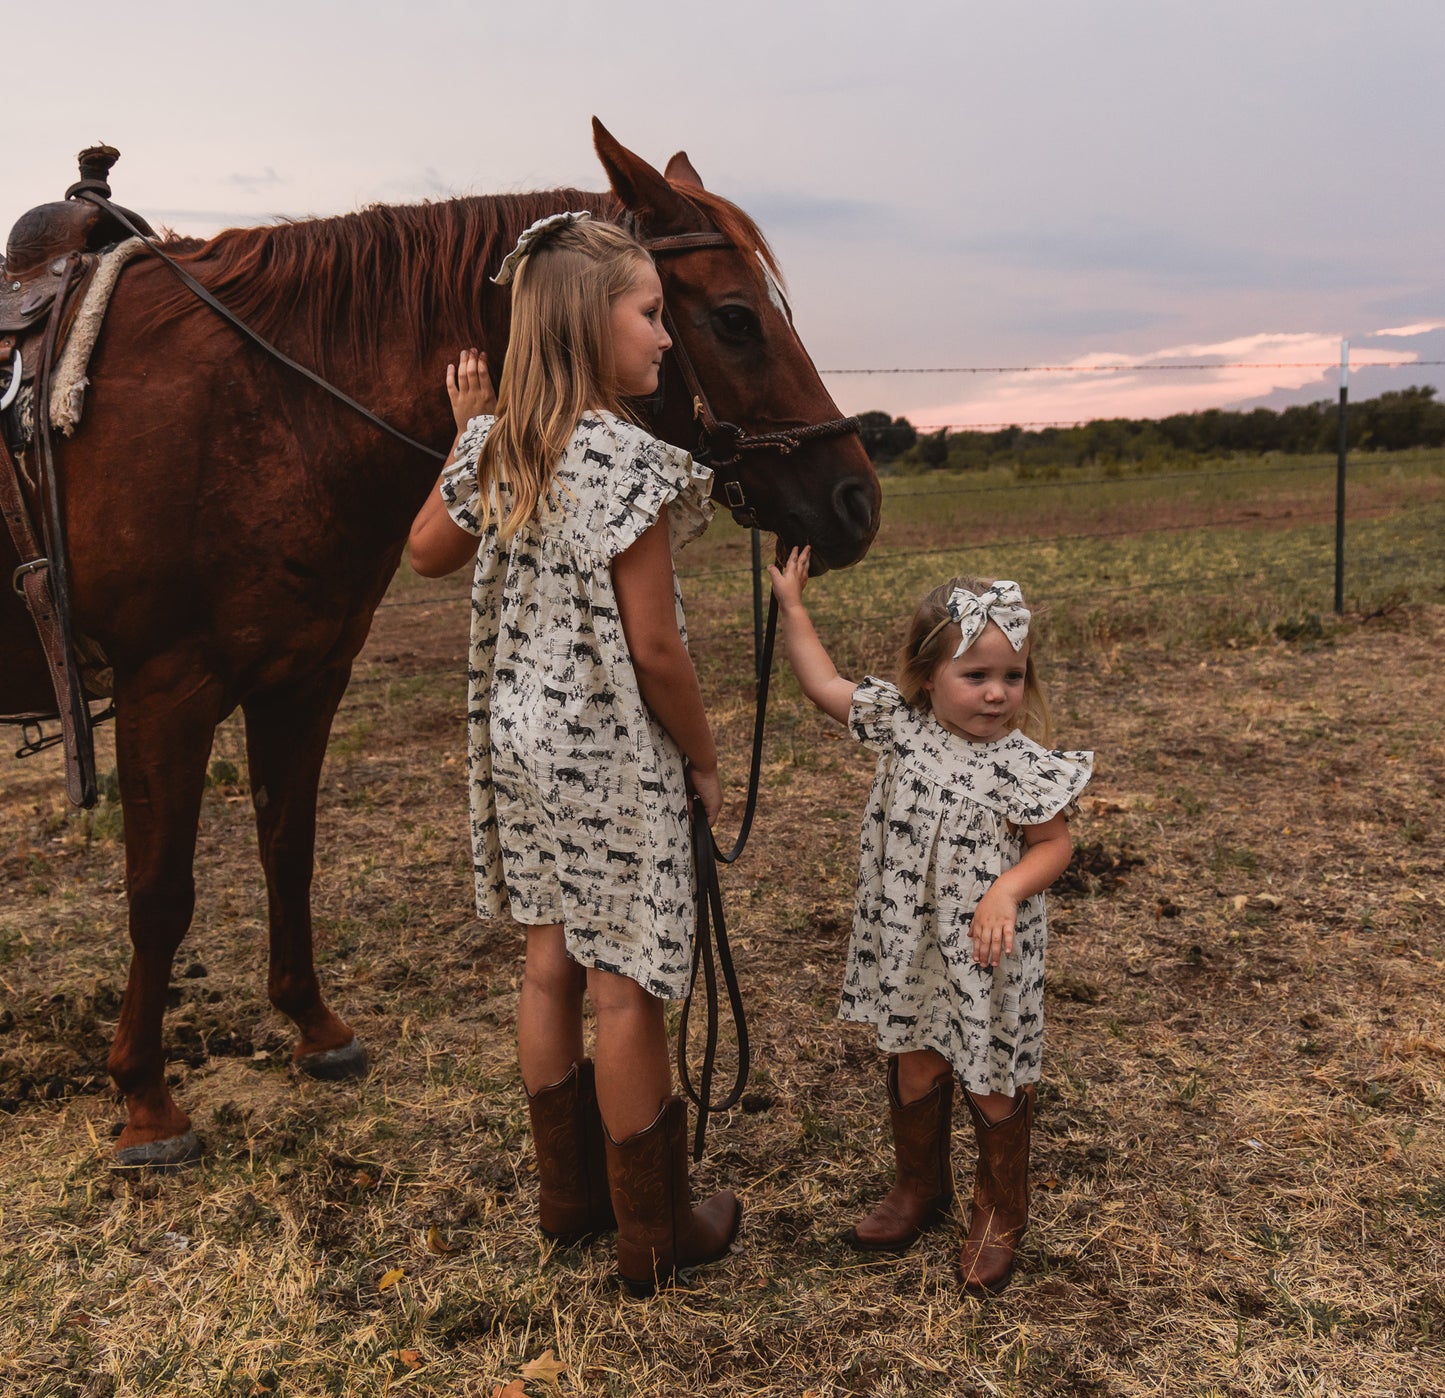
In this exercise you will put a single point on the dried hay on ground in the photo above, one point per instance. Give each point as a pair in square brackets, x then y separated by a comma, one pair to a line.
[1240, 1157]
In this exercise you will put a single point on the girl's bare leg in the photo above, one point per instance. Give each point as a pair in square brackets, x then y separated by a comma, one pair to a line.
[549, 1010]
[995, 1105]
[918, 1070]
[634, 1070]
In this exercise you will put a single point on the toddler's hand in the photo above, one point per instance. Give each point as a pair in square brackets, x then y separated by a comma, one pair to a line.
[992, 928]
[469, 386]
[790, 580]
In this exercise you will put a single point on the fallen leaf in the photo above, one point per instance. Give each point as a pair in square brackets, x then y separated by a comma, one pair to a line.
[1240, 901]
[548, 1368]
[391, 1278]
[439, 1245]
[514, 1389]
[410, 1357]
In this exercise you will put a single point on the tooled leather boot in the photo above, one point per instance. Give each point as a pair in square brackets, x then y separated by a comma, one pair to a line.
[573, 1199]
[923, 1185]
[1000, 1196]
[658, 1230]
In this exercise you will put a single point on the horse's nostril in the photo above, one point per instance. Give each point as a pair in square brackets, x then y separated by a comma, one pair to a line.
[854, 502]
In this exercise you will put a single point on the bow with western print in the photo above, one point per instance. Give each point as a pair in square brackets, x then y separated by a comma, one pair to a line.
[1002, 604]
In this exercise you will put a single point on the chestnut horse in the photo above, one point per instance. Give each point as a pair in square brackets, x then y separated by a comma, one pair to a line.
[232, 527]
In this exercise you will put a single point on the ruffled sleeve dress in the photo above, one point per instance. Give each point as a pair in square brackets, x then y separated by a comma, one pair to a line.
[942, 822]
[578, 799]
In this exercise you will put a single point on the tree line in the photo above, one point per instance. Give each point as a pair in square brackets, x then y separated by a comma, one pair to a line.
[1400, 418]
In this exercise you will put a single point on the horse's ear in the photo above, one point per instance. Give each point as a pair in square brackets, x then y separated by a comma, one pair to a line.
[680, 171]
[642, 190]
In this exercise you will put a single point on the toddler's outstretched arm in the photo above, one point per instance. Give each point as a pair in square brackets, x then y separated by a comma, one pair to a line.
[1047, 848]
[815, 671]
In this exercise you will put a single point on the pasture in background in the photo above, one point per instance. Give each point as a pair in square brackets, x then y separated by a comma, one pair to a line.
[1239, 1169]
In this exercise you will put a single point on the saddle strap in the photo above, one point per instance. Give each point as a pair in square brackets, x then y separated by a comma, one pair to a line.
[41, 579]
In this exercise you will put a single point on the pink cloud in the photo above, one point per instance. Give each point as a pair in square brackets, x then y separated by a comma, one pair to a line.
[1231, 371]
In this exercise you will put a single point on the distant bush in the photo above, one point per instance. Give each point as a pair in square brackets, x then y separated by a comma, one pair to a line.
[1395, 421]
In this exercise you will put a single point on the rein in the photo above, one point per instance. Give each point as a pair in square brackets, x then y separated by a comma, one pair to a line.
[710, 928]
[721, 443]
[100, 201]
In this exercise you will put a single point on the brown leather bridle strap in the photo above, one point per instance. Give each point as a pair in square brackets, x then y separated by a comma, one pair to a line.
[720, 443]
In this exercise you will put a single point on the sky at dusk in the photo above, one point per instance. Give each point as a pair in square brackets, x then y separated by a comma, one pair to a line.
[947, 185]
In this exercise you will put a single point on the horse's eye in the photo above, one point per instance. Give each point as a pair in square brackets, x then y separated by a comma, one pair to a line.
[736, 323]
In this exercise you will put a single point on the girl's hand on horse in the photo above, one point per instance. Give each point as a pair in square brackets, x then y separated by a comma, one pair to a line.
[709, 788]
[469, 386]
[992, 928]
[790, 579]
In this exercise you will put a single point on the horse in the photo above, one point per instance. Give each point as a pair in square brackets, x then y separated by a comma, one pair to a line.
[232, 527]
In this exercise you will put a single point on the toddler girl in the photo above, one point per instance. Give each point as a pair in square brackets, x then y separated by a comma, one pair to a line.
[586, 730]
[963, 832]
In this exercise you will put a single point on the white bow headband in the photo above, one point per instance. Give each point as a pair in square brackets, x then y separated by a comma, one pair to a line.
[1002, 604]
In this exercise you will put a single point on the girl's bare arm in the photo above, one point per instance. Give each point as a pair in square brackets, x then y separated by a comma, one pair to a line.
[643, 580]
[439, 545]
[1047, 849]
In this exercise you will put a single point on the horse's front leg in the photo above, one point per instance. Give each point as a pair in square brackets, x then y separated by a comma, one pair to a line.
[286, 733]
[166, 716]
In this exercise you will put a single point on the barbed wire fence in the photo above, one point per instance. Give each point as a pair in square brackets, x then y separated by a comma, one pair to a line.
[1062, 482]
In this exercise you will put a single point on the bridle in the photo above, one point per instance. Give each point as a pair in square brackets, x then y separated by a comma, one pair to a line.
[721, 443]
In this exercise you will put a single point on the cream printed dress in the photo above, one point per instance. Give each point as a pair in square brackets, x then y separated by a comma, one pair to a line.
[578, 799]
[942, 822]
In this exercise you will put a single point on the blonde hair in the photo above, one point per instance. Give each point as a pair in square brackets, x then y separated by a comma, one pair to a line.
[930, 641]
[559, 361]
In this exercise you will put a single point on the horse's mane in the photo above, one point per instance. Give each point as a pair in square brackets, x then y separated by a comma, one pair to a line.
[315, 285]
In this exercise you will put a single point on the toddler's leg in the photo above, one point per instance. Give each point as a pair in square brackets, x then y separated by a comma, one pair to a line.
[920, 1108]
[1000, 1189]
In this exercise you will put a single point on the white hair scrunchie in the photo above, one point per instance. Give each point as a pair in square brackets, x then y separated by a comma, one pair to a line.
[531, 236]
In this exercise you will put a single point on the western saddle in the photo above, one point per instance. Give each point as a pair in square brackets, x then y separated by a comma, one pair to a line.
[50, 258]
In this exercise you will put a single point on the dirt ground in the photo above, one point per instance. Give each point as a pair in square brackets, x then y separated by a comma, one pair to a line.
[1239, 1161]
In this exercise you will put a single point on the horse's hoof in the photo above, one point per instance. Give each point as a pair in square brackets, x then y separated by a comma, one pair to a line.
[348, 1061]
[160, 1155]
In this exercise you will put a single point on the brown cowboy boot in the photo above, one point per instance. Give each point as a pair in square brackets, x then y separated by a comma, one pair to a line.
[923, 1187]
[1000, 1196]
[573, 1201]
[658, 1230]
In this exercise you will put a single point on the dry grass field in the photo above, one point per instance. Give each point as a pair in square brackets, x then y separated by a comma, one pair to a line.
[1239, 1165]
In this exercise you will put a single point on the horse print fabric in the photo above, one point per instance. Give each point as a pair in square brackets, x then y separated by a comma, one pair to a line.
[942, 822]
[579, 806]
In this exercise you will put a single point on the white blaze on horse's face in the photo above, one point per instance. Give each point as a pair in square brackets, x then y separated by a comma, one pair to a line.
[775, 292]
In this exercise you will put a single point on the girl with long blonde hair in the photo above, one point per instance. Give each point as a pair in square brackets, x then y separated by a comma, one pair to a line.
[586, 728]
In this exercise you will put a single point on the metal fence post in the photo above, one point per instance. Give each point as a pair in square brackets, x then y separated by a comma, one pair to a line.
[1340, 481]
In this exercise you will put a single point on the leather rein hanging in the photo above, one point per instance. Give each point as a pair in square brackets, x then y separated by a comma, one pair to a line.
[229, 316]
[721, 443]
